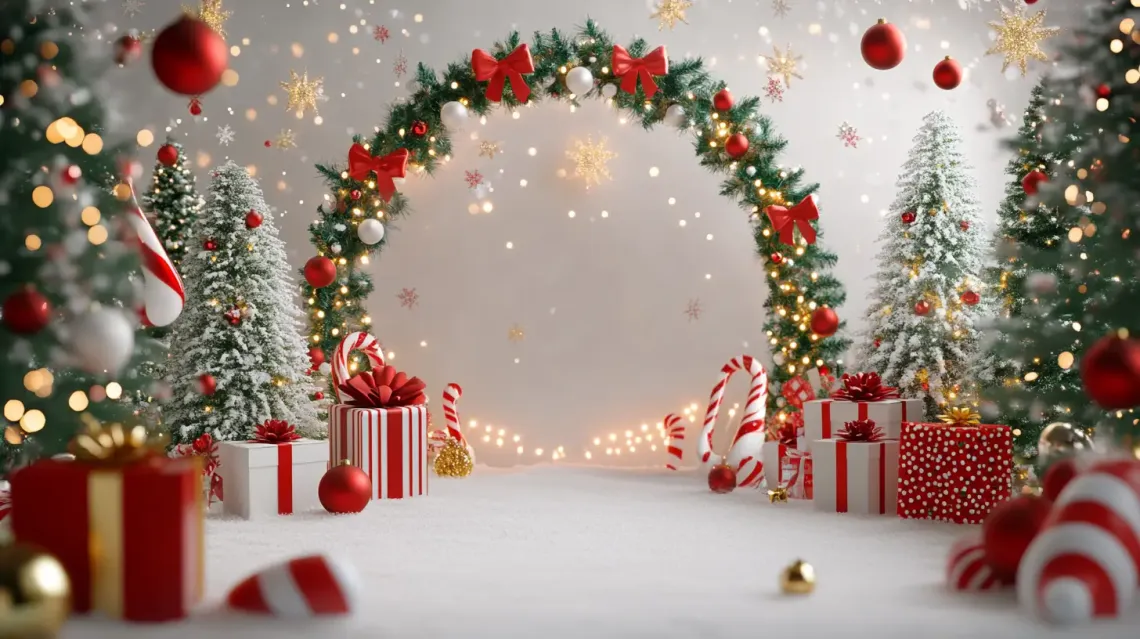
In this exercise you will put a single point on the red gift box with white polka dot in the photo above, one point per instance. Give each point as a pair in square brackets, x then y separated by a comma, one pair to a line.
[953, 473]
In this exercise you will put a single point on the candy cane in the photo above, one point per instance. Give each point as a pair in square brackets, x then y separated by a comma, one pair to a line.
[451, 394]
[675, 432]
[437, 439]
[362, 342]
[163, 293]
[744, 455]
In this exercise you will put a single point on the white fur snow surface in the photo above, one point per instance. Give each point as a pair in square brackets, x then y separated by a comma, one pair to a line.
[577, 552]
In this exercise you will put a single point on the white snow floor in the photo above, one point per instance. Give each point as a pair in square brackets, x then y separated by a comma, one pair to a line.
[590, 553]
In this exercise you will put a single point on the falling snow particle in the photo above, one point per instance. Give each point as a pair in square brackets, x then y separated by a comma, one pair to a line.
[473, 178]
[849, 135]
[225, 135]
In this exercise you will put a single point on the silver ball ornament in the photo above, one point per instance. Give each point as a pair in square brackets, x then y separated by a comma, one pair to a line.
[609, 90]
[370, 231]
[453, 115]
[579, 80]
[1062, 438]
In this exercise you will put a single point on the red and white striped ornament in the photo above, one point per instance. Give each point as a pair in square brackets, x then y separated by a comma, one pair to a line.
[437, 439]
[451, 394]
[1086, 560]
[966, 567]
[163, 292]
[313, 586]
[675, 438]
[744, 455]
[363, 342]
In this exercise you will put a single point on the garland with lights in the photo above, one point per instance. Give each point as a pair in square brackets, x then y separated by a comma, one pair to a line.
[730, 139]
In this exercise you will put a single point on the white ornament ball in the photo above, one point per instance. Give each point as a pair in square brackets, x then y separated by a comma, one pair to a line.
[751, 171]
[370, 231]
[675, 115]
[103, 340]
[453, 115]
[609, 90]
[579, 80]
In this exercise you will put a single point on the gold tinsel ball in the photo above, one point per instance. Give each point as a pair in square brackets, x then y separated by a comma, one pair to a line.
[453, 460]
[35, 593]
[798, 578]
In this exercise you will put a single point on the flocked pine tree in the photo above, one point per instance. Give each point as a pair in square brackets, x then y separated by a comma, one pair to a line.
[923, 319]
[174, 201]
[240, 326]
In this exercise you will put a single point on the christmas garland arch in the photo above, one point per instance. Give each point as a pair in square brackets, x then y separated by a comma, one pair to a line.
[730, 138]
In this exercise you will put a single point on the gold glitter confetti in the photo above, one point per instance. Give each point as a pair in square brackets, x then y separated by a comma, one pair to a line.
[286, 139]
[784, 64]
[516, 334]
[303, 93]
[489, 149]
[670, 12]
[1019, 38]
[591, 160]
[212, 13]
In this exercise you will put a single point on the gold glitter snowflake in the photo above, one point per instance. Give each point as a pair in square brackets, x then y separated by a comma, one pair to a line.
[785, 65]
[516, 334]
[670, 12]
[286, 139]
[303, 93]
[1019, 38]
[591, 160]
[489, 149]
[212, 13]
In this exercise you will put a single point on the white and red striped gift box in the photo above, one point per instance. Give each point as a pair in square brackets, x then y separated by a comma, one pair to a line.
[389, 444]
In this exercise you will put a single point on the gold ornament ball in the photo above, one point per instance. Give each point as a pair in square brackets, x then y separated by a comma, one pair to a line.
[798, 578]
[453, 460]
[35, 593]
[1060, 438]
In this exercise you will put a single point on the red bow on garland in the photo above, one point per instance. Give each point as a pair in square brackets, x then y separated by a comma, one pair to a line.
[864, 387]
[384, 387]
[275, 431]
[800, 216]
[361, 164]
[861, 430]
[495, 72]
[629, 69]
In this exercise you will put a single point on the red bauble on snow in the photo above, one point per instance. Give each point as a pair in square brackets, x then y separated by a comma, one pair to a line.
[947, 74]
[189, 57]
[210, 244]
[722, 100]
[26, 311]
[722, 479]
[168, 155]
[883, 46]
[320, 271]
[127, 50]
[970, 298]
[253, 219]
[736, 145]
[195, 107]
[1008, 530]
[419, 128]
[824, 322]
[207, 384]
[1032, 181]
[776, 259]
[909, 217]
[1060, 473]
[1110, 372]
[316, 357]
[344, 489]
[922, 307]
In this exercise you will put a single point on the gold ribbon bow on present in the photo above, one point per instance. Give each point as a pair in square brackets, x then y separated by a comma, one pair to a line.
[778, 495]
[961, 416]
[116, 444]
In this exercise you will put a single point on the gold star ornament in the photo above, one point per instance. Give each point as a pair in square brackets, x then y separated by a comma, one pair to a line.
[591, 160]
[212, 13]
[489, 149]
[303, 93]
[669, 12]
[785, 65]
[1019, 37]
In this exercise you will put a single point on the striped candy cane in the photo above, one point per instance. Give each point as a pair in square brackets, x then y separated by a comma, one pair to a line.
[451, 394]
[744, 455]
[675, 432]
[362, 342]
[163, 293]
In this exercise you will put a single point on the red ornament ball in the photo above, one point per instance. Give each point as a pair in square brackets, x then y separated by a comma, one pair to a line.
[71, 175]
[356, 194]
[210, 244]
[722, 479]
[878, 342]
[1008, 530]
[253, 219]
[909, 217]
[344, 489]
[168, 155]
[722, 100]
[316, 357]
[419, 128]
[319, 395]
[320, 271]
[883, 46]
[207, 384]
[189, 57]
[922, 307]
[195, 107]
[1103, 91]
[964, 225]
[1060, 473]
[1030, 1]
[1032, 181]
[970, 298]
[947, 74]
[26, 311]
[736, 145]
[128, 49]
[824, 322]
[1110, 372]
[268, 144]
[776, 259]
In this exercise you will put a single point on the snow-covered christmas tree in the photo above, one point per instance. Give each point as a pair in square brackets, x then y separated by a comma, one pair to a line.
[237, 354]
[174, 201]
[923, 322]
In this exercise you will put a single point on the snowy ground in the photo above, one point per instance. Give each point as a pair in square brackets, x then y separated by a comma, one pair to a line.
[547, 553]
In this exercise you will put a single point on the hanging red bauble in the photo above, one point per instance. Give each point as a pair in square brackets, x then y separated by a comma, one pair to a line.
[883, 46]
[1032, 181]
[168, 155]
[344, 489]
[722, 479]
[189, 57]
[1008, 530]
[878, 342]
[964, 225]
[195, 107]
[316, 357]
[1110, 372]
[419, 128]
[268, 144]
[26, 311]
[736, 145]
[70, 175]
[909, 217]
[253, 219]
[824, 322]
[320, 271]
[947, 74]
[776, 259]
[356, 194]
[722, 100]
[207, 384]
[1060, 473]
[210, 244]
[970, 298]
[1030, 1]
[922, 307]
[318, 395]
[128, 49]
[233, 316]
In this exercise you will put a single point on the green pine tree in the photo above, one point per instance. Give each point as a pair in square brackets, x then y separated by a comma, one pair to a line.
[175, 203]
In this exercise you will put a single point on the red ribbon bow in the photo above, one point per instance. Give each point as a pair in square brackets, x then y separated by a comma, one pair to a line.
[864, 387]
[275, 431]
[790, 430]
[861, 430]
[800, 216]
[629, 69]
[384, 388]
[513, 66]
[361, 164]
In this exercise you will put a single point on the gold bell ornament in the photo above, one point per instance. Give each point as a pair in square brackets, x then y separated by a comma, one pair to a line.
[454, 460]
[35, 593]
[798, 578]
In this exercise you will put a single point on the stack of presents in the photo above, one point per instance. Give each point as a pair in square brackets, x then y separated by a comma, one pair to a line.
[863, 449]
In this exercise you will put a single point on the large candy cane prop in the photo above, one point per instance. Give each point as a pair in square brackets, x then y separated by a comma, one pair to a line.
[675, 436]
[1086, 560]
[744, 455]
[451, 394]
[163, 293]
[362, 342]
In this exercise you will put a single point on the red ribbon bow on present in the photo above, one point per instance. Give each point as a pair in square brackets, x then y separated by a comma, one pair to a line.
[861, 430]
[790, 430]
[275, 431]
[361, 164]
[629, 69]
[800, 216]
[384, 387]
[513, 66]
[864, 387]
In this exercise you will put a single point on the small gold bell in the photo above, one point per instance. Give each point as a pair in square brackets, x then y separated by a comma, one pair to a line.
[778, 495]
[798, 578]
[35, 593]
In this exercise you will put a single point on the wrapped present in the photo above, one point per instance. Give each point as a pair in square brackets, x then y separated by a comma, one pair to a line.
[207, 449]
[789, 468]
[856, 472]
[277, 473]
[863, 396]
[380, 426]
[956, 470]
[125, 521]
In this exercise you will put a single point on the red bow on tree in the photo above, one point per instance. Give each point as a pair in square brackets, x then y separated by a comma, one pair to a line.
[361, 164]
[861, 430]
[275, 431]
[800, 216]
[495, 72]
[384, 387]
[629, 69]
[864, 387]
